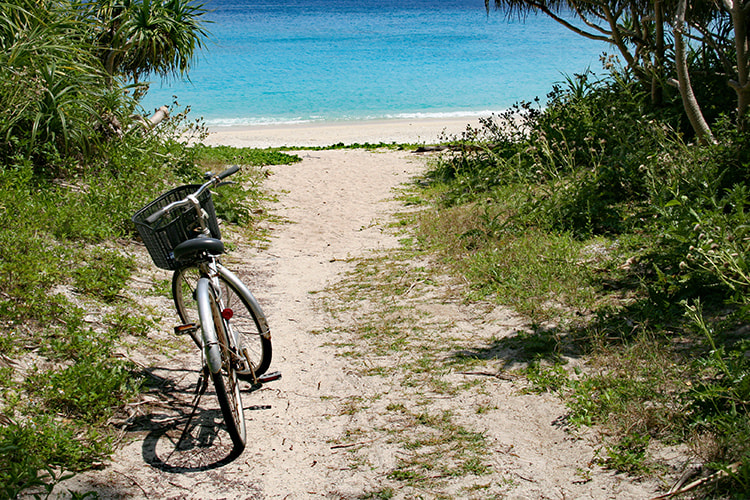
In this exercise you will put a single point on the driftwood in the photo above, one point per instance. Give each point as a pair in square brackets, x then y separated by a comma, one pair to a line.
[430, 149]
[159, 116]
[678, 489]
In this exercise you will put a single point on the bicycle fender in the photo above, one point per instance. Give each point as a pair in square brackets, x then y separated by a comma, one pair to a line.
[211, 347]
[265, 331]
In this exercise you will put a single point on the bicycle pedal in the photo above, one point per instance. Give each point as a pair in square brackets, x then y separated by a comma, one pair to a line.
[269, 377]
[187, 328]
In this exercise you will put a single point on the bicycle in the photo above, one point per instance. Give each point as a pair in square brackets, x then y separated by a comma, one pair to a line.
[181, 233]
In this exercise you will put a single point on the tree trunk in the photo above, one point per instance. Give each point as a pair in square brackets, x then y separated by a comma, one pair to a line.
[742, 85]
[689, 101]
[657, 90]
[159, 116]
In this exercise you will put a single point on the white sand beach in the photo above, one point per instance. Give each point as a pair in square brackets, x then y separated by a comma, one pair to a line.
[412, 131]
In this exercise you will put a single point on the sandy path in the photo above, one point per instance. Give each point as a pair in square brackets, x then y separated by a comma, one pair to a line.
[299, 426]
[336, 202]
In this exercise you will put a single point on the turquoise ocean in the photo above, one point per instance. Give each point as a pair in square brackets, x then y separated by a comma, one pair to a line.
[294, 61]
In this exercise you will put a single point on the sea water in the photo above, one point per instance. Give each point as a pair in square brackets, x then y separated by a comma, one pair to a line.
[287, 61]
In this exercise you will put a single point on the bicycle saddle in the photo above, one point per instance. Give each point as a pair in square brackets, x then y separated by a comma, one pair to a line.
[189, 250]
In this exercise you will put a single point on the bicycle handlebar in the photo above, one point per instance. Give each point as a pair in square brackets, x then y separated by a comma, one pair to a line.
[230, 171]
[214, 179]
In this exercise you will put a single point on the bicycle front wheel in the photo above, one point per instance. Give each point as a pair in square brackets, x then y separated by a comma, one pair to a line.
[225, 379]
[245, 323]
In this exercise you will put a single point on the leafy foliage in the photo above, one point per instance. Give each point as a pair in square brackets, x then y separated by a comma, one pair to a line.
[74, 166]
[649, 38]
[62, 65]
[104, 274]
[593, 217]
[29, 453]
[52, 87]
[142, 37]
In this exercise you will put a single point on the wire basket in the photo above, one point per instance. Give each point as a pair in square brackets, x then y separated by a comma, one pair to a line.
[180, 225]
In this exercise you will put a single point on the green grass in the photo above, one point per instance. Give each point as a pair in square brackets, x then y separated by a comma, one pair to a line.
[537, 273]
[103, 274]
[437, 448]
[653, 367]
[66, 304]
[556, 282]
[629, 257]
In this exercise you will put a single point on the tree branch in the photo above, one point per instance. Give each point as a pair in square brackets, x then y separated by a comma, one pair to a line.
[689, 101]
[576, 29]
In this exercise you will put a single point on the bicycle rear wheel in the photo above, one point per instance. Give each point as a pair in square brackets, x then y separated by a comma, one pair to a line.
[245, 322]
[225, 380]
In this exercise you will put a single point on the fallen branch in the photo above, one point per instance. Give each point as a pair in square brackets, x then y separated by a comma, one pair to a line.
[457, 147]
[500, 375]
[149, 124]
[351, 445]
[716, 476]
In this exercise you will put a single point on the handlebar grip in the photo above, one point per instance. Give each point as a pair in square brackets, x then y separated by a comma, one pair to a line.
[226, 173]
[155, 216]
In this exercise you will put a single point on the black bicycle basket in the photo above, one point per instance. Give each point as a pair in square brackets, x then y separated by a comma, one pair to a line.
[180, 225]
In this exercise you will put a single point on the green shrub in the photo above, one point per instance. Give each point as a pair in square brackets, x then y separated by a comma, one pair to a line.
[55, 94]
[30, 453]
[89, 389]
[599, 194]
[585, 154]
[103, 274]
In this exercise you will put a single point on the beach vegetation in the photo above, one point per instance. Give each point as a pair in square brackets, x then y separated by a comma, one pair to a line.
[76, 161]
[144, 37]
[368, 145]
[602, 217]
[608, 216]
[698, 50]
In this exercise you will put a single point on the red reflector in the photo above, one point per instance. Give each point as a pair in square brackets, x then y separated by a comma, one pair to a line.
[227, 314]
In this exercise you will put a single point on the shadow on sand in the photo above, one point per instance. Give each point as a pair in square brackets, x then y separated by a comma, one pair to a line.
[188, 434]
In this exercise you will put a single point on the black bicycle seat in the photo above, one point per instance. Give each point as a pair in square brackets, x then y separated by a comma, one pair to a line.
[191, 250]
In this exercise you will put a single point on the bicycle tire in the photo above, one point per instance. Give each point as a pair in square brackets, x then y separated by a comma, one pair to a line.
[225, 380]
[245, 320]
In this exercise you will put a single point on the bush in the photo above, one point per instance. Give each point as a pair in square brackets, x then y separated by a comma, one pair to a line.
[56, 101]
[584, 153]
[30, 454]
[598, 193]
